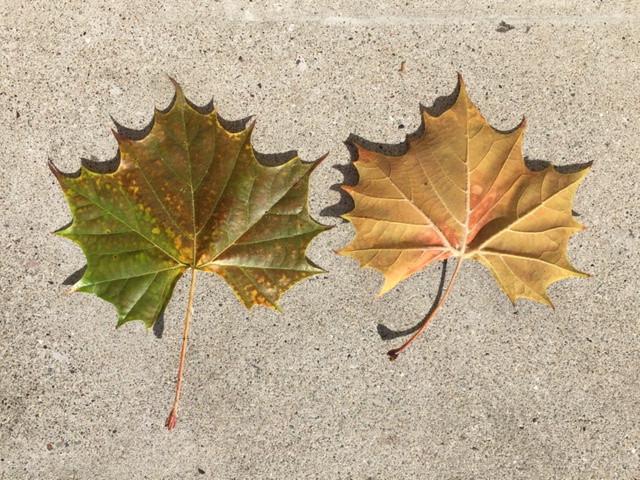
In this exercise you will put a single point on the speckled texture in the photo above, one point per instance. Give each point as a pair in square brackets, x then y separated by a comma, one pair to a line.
[488, 391]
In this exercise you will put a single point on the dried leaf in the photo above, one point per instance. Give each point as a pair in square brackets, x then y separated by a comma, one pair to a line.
[463, 190]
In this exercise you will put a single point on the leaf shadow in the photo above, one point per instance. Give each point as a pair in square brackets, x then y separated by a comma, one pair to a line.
[388, 334]
[101, 166]
[158, 326]
[75, 276]
[537, 165]
[345, 204]
[132, 133]
[274, 159]
[350, 174]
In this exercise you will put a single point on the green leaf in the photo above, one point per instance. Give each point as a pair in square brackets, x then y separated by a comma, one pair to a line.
[189, 195]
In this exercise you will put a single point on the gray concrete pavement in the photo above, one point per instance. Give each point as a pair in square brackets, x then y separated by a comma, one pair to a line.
[488, 391]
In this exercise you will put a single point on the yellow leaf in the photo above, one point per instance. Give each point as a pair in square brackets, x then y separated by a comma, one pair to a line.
[463, 190]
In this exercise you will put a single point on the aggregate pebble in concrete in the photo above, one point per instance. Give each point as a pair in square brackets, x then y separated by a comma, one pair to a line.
[488, 391]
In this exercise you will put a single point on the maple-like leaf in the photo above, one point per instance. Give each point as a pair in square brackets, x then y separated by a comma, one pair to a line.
[189, 195]
[462, 190]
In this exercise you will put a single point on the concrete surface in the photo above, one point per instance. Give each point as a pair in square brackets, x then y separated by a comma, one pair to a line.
[488, 391]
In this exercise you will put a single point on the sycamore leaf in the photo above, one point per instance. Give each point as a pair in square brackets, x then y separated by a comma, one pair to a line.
[189, 195]
[463, 190]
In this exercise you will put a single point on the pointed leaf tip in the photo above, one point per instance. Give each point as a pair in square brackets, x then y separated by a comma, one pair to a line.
[462, 89]
[119, 138]
[177, 87]
[319, 160]
[57, 173]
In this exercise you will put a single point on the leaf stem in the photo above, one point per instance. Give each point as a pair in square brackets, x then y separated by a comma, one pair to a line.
[393, 354]
[171, 419]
